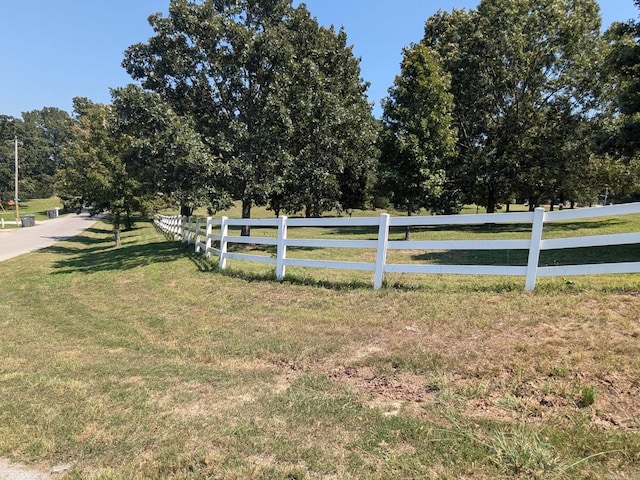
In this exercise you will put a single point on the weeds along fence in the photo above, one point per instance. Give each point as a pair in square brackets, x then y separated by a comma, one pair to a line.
[211, 236]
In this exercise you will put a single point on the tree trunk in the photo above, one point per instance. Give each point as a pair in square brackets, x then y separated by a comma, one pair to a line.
[116, 228]
[246, 213]
[491, 201]
[407, 232]
[186, 211]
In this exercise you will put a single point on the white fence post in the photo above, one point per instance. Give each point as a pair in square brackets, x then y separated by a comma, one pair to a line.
[207, 248]
[383, 244]
[178, 228]
[534, 248]
[281, 252]
[196, 235]
[224, 233]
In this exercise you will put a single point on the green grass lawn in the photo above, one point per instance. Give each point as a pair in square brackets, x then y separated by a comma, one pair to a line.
[37, 207]
[148, 362]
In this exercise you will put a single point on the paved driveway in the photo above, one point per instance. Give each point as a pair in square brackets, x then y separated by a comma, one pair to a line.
[17, 241]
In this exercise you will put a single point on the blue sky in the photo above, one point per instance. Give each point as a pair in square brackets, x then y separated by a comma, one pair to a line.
[52, 51]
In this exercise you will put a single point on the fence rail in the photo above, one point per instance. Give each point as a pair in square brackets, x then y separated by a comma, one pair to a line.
[4, 222]
[200, 232]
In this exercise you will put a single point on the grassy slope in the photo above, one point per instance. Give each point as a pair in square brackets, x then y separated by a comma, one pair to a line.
[37, 207]
[147, 362]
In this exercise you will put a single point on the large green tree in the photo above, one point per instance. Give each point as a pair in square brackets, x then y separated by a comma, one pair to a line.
[518, 67]
[215, 62]
[45, 133]
[325, 133]
[622, 67]
[95, 174]
[619, 137]
[42, 135]
[419, 140]
[164, 153]
[231, 66]
[8, 133]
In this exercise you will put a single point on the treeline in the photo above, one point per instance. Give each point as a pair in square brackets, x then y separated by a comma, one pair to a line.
[254, 101]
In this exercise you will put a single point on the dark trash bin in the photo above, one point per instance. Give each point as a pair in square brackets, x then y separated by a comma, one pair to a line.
[52, 213]
[28, 220]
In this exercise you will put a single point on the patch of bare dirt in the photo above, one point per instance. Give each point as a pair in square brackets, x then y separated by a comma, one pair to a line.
[521, 370]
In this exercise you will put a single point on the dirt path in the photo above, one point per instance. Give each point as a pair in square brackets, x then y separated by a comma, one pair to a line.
[45, 233]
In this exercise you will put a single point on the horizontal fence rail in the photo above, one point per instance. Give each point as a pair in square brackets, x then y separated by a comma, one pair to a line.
[4, 222]
[200, 232]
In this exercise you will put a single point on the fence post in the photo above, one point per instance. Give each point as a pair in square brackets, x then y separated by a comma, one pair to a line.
[281, 251]
[178, 227]
[207, 248]
[196, 235]
[534, 248]
[383, 244]
[224, 232]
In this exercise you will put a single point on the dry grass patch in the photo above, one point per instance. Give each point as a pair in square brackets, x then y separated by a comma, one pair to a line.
[526, 365]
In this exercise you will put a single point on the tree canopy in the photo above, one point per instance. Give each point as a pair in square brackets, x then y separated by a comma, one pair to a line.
[42, 135]
[164, 152]
[232, 67]
[253, 100]
[518, 67]
[95, 174]
[419, 139]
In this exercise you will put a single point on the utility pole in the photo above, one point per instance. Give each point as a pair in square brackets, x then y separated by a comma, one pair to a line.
[16, 182]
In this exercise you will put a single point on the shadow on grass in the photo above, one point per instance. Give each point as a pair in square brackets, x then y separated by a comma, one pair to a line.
[294, 279]
[96, 252]
[106, 259]
[569, 256]
[510, 228]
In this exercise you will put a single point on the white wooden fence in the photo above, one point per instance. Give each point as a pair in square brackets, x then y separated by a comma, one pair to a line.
[200, 231]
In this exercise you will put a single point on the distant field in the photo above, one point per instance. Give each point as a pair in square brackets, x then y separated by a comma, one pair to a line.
[148, 362]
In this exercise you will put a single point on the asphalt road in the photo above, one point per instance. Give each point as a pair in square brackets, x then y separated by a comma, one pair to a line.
[18, 241]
